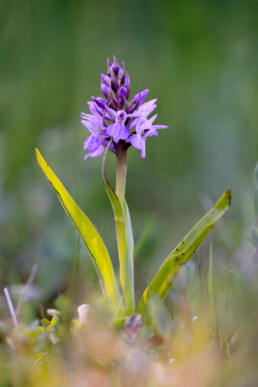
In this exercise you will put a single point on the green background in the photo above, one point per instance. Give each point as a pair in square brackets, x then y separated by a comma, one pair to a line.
[196, 57]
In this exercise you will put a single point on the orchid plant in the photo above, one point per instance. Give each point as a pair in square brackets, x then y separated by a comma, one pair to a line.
[115, 124]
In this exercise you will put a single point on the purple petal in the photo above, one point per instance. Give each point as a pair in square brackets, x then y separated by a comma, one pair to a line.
[92, 143]
[120, 74]
[115, 65]
[111, 130]
[118, 131]
[128, 85]
[100, 102]
[95, 153]
[109, 65]
[160, 126]
[143, 95]
[132, 124]
[107, 117]
[148, 104]
[122, 92]
[153, 130]
[85, 123]
[143, 152]
[92, 118]
[94, 109]
[147, 108]
[106, 79]
[104, 90]
[86, 142]
[138, 99]
[114, 84]
[143, 124]
[138, 142]
[121, 116]
[150, 132]
[111, 112]
[123, 77]
[124, 132]
[151, 120]
[92, 126]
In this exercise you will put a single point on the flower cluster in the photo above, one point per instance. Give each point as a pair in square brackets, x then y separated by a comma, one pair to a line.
[115, 118]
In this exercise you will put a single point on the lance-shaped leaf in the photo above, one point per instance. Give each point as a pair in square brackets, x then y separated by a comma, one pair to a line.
[88, 233]
[256, 176]
[256, 191]
[162, 282]
[129, 261]
[125, 242]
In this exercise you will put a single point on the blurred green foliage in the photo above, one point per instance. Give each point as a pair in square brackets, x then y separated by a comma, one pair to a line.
[196, 57]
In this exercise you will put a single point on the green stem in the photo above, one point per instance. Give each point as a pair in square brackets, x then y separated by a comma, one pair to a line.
[124, 233]
[121, 169]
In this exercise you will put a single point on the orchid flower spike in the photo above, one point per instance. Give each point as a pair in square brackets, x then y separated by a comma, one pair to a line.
[114, 118]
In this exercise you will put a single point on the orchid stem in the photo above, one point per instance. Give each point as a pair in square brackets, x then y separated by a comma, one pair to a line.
[124, 234]
[121, 169]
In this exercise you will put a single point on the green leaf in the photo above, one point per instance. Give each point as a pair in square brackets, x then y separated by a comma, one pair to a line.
[256, 191]
[256, 202]
[162, 282]
[129, 262]
[125, 241]
[88, 233]
[256, 176]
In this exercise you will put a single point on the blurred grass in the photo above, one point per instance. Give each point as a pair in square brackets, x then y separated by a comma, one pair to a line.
[198, 58]
[181, 348]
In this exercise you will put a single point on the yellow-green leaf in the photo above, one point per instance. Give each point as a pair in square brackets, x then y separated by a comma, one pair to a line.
[88, 233]
[162, 282]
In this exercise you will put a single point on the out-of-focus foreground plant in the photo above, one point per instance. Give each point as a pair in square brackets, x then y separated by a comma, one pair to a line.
[115, 124]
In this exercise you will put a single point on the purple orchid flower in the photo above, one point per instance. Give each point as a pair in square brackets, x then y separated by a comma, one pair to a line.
[142, 113]
[118, 130]
[144, 129]
[115, 117]
[94, 142]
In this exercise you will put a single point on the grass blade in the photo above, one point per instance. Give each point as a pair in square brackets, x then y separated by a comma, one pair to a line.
[212, 300]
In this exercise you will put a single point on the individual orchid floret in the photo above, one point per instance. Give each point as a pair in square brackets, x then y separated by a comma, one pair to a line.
[137, 140]
[138, 99]
[94, 145]
[143, 112]
[118, 130]
[116, 121]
